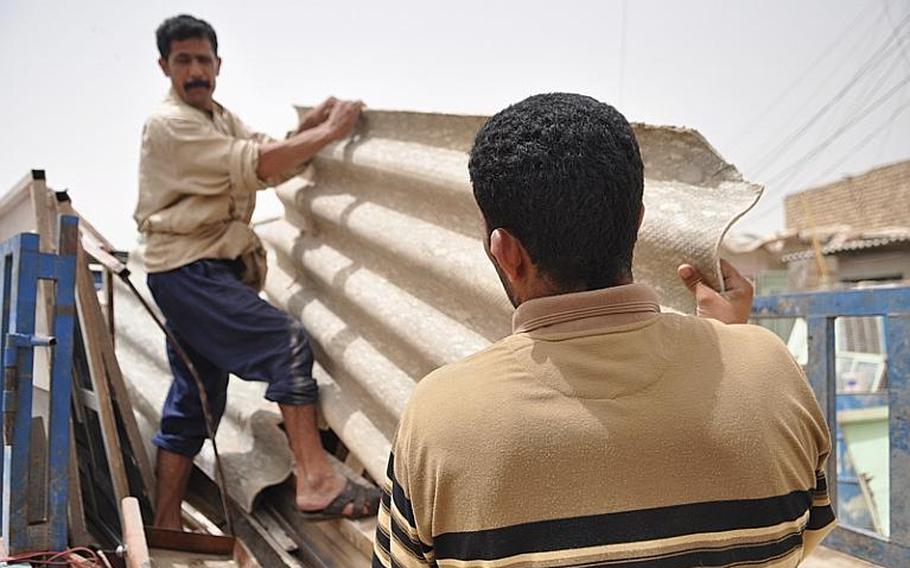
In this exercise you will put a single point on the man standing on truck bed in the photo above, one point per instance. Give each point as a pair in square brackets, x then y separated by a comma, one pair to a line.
[199, 171]
[601, 432]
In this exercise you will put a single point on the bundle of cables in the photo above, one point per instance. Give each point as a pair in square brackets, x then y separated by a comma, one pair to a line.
[79, 556]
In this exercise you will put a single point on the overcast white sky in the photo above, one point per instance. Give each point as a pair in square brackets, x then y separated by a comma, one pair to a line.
[78, 78]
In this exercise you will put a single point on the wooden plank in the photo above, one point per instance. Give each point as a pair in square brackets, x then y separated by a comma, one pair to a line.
[65, 206]
[137, 552]
[79, 535]
[44, 217]
[261, 543]
[277, 534]
[95, 483]
[175, 559]
[359, 532]
[90, 321]
[196, 521]
[200, 543]
[354, 464]
[243, 556]
[108, 288]
[127, 418]
[90, 459]
[94, 243]
[253, 538]
[325, 541]
[45, 210]
[86, 398]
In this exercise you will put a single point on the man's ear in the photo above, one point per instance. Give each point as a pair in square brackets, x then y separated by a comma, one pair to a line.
[217, 66]
[508, 252]
[162, 63]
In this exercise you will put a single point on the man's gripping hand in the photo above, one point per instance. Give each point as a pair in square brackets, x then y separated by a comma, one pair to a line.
[342, 119]
[732, 306]
[318, 114]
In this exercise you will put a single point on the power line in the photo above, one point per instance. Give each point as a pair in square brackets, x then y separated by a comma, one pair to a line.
[855, 114]
[885, 138]
[906, 57]
[824, 54]
[871, 63]
[874, 85]
[795, 168]
[903, 50]
[862, 143]
[796, 165]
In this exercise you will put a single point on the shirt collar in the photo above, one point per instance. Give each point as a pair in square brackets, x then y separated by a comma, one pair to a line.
[616, 305]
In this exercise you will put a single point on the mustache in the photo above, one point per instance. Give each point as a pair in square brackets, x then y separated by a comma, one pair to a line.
[196, 84]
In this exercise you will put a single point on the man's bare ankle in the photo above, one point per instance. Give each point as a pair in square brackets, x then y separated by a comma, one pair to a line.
[328, 482]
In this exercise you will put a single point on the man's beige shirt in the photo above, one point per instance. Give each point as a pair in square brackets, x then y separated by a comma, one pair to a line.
[602, 432]
[197, 188]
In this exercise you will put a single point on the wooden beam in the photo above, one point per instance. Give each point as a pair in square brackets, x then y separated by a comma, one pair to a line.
[128, 419]
[45, 210]
[94, 243]
[137, 552]
[79, 535]
[90, 320]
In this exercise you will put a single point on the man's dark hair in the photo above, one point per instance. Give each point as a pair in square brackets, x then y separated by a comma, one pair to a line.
[563, 174]
[183, 27]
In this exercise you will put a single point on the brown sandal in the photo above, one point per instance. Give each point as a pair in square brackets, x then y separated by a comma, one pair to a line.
[365, 504]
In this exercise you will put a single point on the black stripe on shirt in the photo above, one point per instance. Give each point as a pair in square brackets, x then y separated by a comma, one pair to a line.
[402, 503]
[821, 481]
[382, 538]
[415, 547]
[820, 517]
[624, 527]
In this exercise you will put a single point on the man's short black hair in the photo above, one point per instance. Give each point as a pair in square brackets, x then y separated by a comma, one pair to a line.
[184, 27]
[563, 174]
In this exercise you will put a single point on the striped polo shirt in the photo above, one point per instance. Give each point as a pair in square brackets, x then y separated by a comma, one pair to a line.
[605, 433]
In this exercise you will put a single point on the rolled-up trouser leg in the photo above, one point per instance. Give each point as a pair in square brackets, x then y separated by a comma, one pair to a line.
[227, 324]
[182, 428]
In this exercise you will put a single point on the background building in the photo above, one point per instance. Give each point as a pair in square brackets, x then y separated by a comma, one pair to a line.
[850, 232]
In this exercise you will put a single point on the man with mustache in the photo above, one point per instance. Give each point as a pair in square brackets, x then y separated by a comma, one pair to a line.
[601, 432]
[200, 168]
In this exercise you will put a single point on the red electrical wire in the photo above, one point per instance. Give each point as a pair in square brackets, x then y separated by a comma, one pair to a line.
[61, 558]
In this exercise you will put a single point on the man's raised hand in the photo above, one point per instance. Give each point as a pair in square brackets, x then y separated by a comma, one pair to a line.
[732, 306]
[317, 115]
[342, 119]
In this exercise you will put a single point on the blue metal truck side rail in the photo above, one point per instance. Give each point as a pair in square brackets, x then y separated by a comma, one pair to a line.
[22, 266]
[820, 310]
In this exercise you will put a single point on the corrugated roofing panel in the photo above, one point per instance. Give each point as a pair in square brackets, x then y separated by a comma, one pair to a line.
[380, 256]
